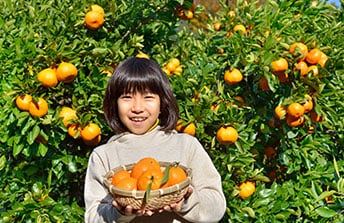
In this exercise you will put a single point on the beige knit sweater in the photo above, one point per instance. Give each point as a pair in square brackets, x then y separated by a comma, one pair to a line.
[206, 203]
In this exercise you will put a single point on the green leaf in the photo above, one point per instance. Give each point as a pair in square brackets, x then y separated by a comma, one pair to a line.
[147, 194]
[326, 212]
[166, 175]
[2, 162]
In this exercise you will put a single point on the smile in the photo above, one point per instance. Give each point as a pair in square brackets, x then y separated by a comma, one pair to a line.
[138, 119]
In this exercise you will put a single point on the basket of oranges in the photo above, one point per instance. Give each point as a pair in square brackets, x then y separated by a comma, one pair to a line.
[148, 184]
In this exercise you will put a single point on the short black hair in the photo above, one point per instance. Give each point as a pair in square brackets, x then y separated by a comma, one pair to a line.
[140, 75]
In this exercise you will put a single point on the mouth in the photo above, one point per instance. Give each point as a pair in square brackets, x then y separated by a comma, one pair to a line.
[137, 119]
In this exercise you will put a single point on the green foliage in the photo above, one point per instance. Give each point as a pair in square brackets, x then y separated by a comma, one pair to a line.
[43, 168]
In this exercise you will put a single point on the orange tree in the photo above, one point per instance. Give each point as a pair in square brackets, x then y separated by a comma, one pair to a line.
[294, 166]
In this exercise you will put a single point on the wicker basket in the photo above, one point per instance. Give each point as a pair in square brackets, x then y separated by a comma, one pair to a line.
[157, 198]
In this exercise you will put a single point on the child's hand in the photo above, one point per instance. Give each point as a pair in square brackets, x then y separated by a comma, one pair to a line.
[176, 207]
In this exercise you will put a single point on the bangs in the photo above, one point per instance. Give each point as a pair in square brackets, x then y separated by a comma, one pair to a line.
[139, 77]
[139, 85]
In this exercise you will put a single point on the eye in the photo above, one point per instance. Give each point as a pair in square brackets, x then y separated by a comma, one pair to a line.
[150, 96]
[125, 96]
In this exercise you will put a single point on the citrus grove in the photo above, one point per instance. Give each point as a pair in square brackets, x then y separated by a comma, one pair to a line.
[259, 83]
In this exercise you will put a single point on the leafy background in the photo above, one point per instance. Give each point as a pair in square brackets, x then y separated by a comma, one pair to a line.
[43, 168]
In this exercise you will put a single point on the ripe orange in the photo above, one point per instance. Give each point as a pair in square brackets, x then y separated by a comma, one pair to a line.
[302, 67]
[279, 65]
[308, 105]
[178, 70]
[298, 49]
[172, 64]
[74, 130]
[313, 56]
[48, 77]
[68, 115]
[314, 69]
[294, 121]
[120, 175]
[315, 117]
[66, 72]
[98, 9]
[188, 129]
[240, 28]
[217, 26]
[323, 59]
[246, 189]
[295, 109]
[90, 131]
[38, 108]
[151, 176]
[280, 111]
[176, 175]
[227, 135]
[127, 184]
[94, 20]
[142, 55]
[23, 102]
[143, 165]
[94, 141]
[263, 84]
[233, 76]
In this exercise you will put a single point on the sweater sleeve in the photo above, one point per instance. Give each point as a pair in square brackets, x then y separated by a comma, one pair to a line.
[98, 201]
[207, 203]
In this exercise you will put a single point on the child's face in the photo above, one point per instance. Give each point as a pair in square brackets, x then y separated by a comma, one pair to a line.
[138, 111]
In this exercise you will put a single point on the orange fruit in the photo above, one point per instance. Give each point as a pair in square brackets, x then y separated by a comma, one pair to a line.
[227, 135]
[280, 112]
[314, 69]
[172, 64]
[282, 76]
[66, 72]
[68, 115]
[294, 121]
[178, 70]
[308, 105]
[313, 56]
[323, 59]
[23, 102]
[298, 49]
[120, 175]
[142, 55]
[246, 189]
[98, 9]
[263, 84]
[240, 28]
[279, 65]
[74, 130]
[47, 77]
[94, 141]
[315, 117]
[302, 67]
[90, 131]
[231, 13]
[295, 109]
[233, 76]
[143, 165]
[151, 176]
[38, 108]
[217, 26]
[176, 175]
[128, 183]
[188, 129]
[94, 20]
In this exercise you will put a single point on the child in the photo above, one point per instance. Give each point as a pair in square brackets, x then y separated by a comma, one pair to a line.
[140, 107]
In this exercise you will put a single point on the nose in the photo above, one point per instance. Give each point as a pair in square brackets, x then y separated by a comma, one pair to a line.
[137, 105]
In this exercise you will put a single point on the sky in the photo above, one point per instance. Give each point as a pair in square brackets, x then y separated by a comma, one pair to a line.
[337, 2]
